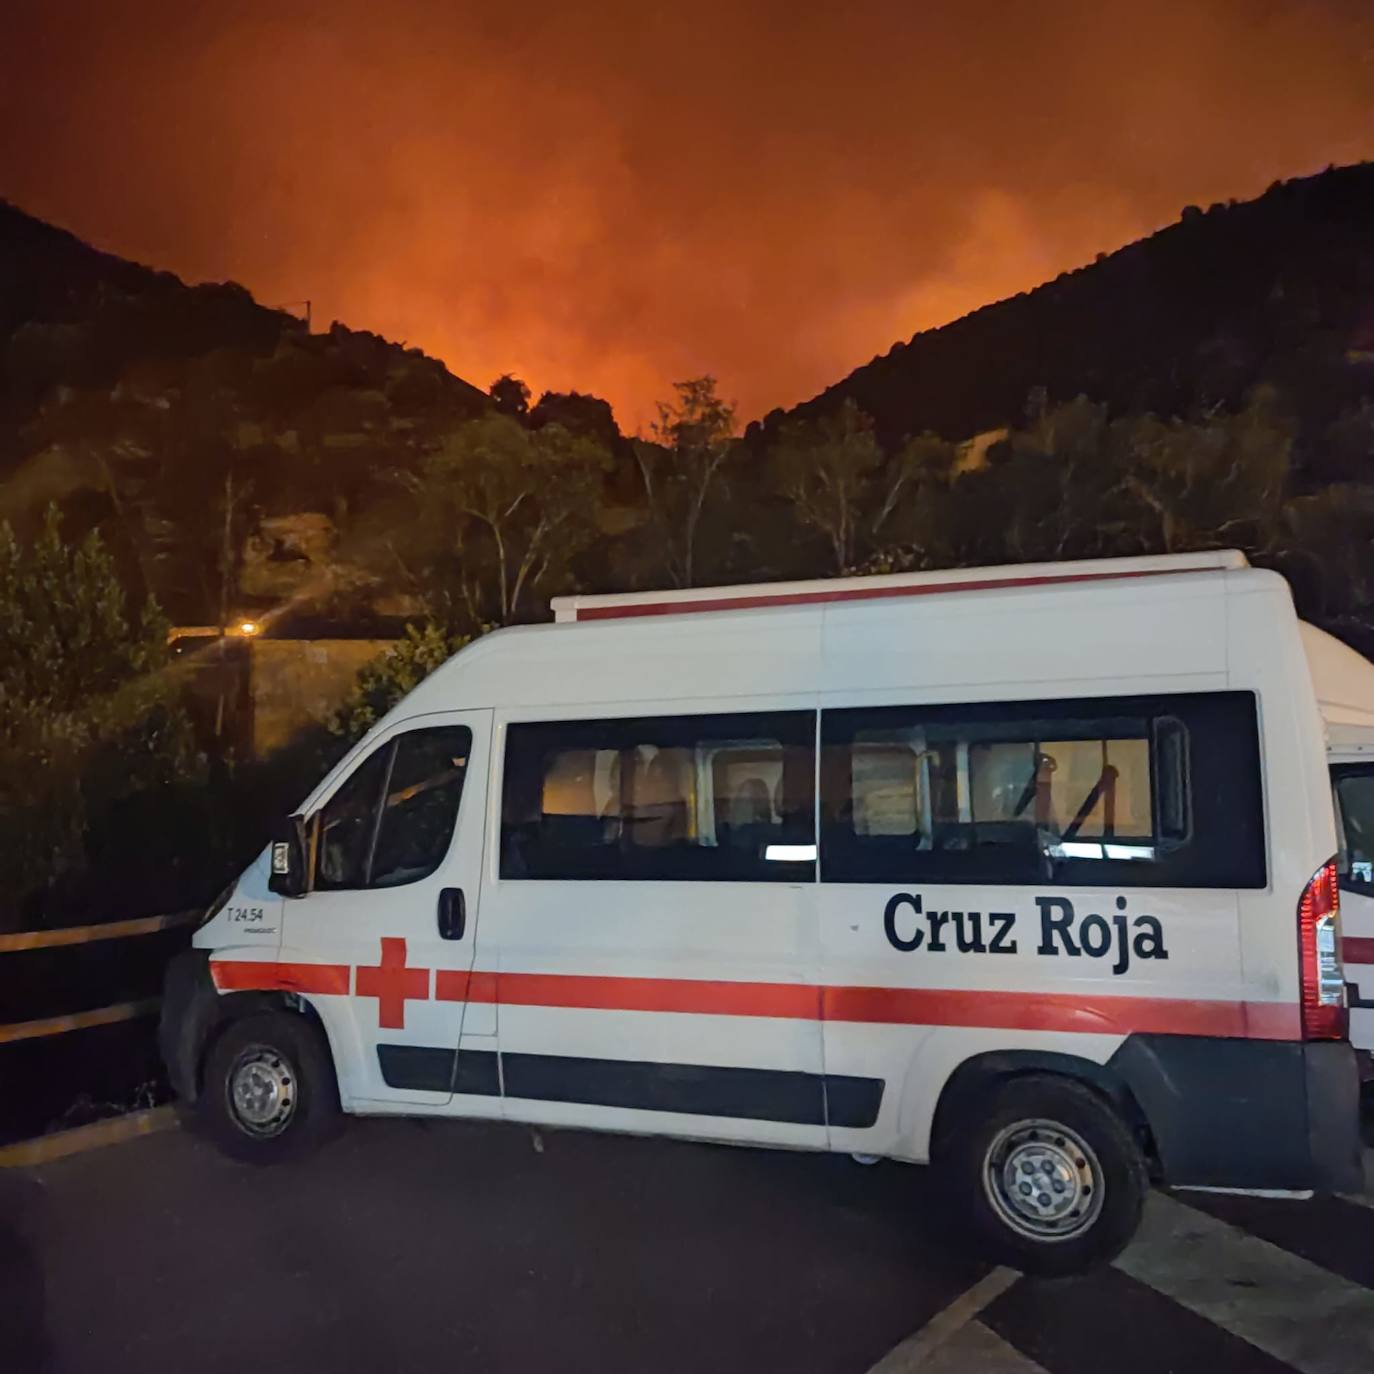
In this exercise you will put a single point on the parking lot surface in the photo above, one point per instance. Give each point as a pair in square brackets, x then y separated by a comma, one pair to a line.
[411, 1245]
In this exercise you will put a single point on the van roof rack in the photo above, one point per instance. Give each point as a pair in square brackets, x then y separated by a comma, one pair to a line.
[820, 591]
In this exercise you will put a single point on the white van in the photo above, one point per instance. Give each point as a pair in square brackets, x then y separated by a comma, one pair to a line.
[1024, 871]
[1344, 683]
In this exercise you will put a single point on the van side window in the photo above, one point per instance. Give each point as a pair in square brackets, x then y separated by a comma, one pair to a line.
[1354, 789]
[392, 820]
[662, 797]
[1123, 791]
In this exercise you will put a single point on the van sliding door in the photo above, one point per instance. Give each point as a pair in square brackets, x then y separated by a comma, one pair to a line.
[655, 915]
[1059, 873]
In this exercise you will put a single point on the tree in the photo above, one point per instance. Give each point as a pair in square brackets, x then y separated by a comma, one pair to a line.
[1323, 547]
[826, 468]
[681, 468]
[1221, 480]
[91, 732]
[1348, 453]
[510, 396]
[66, 642]
[503, 510]
[578, 413]
[1044, 493]
[914, 523]
[383, 683]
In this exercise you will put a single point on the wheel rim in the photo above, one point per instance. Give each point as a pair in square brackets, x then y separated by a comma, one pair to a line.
[261, 1091]
[1043, 1180]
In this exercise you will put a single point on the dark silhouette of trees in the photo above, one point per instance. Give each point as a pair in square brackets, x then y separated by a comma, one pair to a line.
[588, 416]
[681, 471]
[827, 468]
[92, 733]
[501, 511]
[510, 396]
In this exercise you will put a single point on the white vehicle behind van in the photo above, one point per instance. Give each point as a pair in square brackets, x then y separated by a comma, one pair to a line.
[1025, 872]
[1344, 683]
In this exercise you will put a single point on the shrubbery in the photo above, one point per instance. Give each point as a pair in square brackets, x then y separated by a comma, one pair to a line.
[383, 683]
[97, 754]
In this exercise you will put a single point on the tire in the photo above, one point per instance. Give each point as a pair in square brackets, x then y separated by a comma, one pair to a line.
[1090, 1179]
[270, 1094]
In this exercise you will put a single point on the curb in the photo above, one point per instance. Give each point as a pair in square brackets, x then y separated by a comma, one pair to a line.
[114, 1131]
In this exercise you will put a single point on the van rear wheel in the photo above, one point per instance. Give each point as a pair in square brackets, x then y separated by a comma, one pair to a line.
[270, 1092]
[1050, 1173]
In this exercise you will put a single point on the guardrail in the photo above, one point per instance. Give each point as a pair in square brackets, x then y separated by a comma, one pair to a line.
[85, 935]
[76, 1004]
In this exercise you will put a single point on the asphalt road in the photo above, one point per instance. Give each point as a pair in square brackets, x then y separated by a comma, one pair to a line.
[407, 1245]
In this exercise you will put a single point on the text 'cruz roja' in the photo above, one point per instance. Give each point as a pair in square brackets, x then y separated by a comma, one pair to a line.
[1063, 931]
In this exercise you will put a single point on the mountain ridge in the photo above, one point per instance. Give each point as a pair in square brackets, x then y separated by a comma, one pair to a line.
[52, 281]
[199, 430]
[1196, 314]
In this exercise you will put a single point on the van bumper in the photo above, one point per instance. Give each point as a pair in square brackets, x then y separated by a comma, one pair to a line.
[190, 1008]
[1262, 1114]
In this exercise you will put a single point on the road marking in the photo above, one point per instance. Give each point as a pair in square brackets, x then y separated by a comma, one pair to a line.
[1273, 1194]
[1292, 1309]
[977, 1349]
[115, 1131]
[916, 1350]
[81, 1020]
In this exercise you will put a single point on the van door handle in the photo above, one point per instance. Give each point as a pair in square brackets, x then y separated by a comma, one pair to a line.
[453, 913]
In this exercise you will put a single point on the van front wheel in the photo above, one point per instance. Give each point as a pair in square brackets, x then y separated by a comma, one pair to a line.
[1051, 1174]
[270, 1092]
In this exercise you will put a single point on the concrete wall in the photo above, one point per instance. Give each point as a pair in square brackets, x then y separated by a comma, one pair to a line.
[295, 683]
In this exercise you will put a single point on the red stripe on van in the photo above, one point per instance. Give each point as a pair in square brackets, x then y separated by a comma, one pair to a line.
[1075, 1012]
[793, 1001]
[257, 975]
[1078, 1013]
[760, 599]
[1356, 949]
[460, 985]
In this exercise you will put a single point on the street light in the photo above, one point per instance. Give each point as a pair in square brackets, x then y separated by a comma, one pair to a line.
[248, 628]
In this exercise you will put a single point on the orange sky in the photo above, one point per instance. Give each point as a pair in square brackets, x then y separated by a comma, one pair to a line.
[607, 197]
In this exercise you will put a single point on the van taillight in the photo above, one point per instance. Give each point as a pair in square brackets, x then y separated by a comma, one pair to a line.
[1323, 980]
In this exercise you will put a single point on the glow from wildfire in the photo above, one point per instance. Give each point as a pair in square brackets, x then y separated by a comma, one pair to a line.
[608, 200]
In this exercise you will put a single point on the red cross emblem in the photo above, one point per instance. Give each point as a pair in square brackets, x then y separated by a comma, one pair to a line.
[392, 984]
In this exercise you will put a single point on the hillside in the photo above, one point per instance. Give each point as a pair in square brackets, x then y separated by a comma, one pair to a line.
[146, 407]
[1277, 290]
[229, 456]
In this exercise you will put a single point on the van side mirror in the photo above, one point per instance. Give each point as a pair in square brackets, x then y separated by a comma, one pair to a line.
[289, 875]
